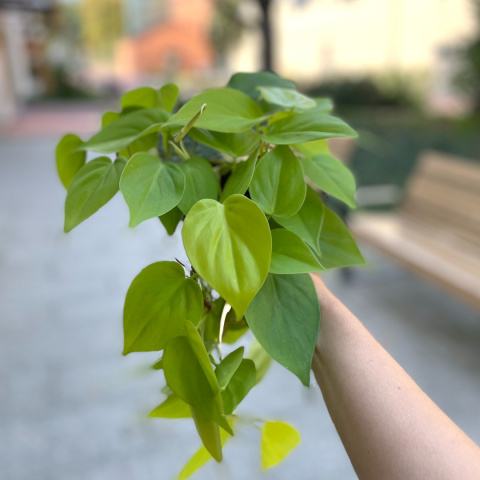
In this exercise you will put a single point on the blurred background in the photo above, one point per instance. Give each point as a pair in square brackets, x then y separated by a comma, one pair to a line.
[404, 73]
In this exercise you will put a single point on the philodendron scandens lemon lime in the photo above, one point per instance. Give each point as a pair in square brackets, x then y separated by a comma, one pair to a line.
[240, 169]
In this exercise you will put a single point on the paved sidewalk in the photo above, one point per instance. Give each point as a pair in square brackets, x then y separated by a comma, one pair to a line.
[72, 408]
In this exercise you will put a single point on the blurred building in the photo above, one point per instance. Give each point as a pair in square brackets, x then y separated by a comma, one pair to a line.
[316, 40]
[22, 52]
[165, 37]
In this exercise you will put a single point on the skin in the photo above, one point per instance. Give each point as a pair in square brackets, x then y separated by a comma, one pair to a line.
[389, 427]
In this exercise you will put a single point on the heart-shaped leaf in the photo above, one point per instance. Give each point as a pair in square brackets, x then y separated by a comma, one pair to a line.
[200, 182]
[69, 160]
[284, 316]
[209, 432]
[307, 222]
[230, 246]
[190, 375]
[332, 177]
[143, 97]
[306, 127]
[248, 82]
[227, 110]
[200, 458]
[310, 149]
[240, 178]
[150, 187]
[228, 366]
[242, 381]
[337, 246]
[277, 185]
[291, 255]
[122, 132]
[172, 407]
[159, 302]
[171, 219]
[168, 96]
[91, 188]
[286, 98]
[278, 440]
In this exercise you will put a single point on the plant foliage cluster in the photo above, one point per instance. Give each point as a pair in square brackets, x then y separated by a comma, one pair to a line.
[241, 167]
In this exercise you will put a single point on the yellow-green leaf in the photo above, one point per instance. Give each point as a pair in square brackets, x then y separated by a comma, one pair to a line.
[172, 407]
[277, 185]
[278, 440]
[150, 187]
[227, 110]
[332, 177]
[200, 458]
[291, 255]
[69, 161]
[91, 188]
[230, 246]
[159, 302]
[190, 375]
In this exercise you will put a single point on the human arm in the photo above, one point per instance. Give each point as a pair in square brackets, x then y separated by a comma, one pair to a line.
[390, 428]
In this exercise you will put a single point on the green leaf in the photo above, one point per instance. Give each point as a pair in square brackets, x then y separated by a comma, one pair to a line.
[228, 366]
[227, 110]
[200, 458]
[240, 178]
[248, 82]
[190, 375]
[159, 302]
[277, 185]
[323, 105]
[260, 358]
[307, 222]
[286, 98]
[278, 440]
[306, 127]
[242, 381]
[69, 161]
[109, 117]
[233, 144]
[151, 188]
[284, 316]
[337, 246]
[332, 177]
[172, 407]
[230, 246]
[200, 182]
[209, 434]
[171, 219]
[310, 149]
[122, 132]
[168, 95]
[290, 254]
[143, 97]
[234, 330]
[91, 188]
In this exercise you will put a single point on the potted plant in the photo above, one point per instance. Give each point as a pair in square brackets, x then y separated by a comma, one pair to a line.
[240, 168]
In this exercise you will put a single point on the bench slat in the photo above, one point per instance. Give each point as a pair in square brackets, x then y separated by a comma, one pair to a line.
[387, 234]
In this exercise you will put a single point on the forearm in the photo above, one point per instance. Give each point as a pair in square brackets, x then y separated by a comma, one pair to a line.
[389, 427]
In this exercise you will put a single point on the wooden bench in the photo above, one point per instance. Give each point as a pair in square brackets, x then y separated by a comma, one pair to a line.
[436, 231]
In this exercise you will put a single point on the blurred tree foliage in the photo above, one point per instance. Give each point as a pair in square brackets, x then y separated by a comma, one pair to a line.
[468, 78]
[101, 23]
[227, 26]
[394, 91]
